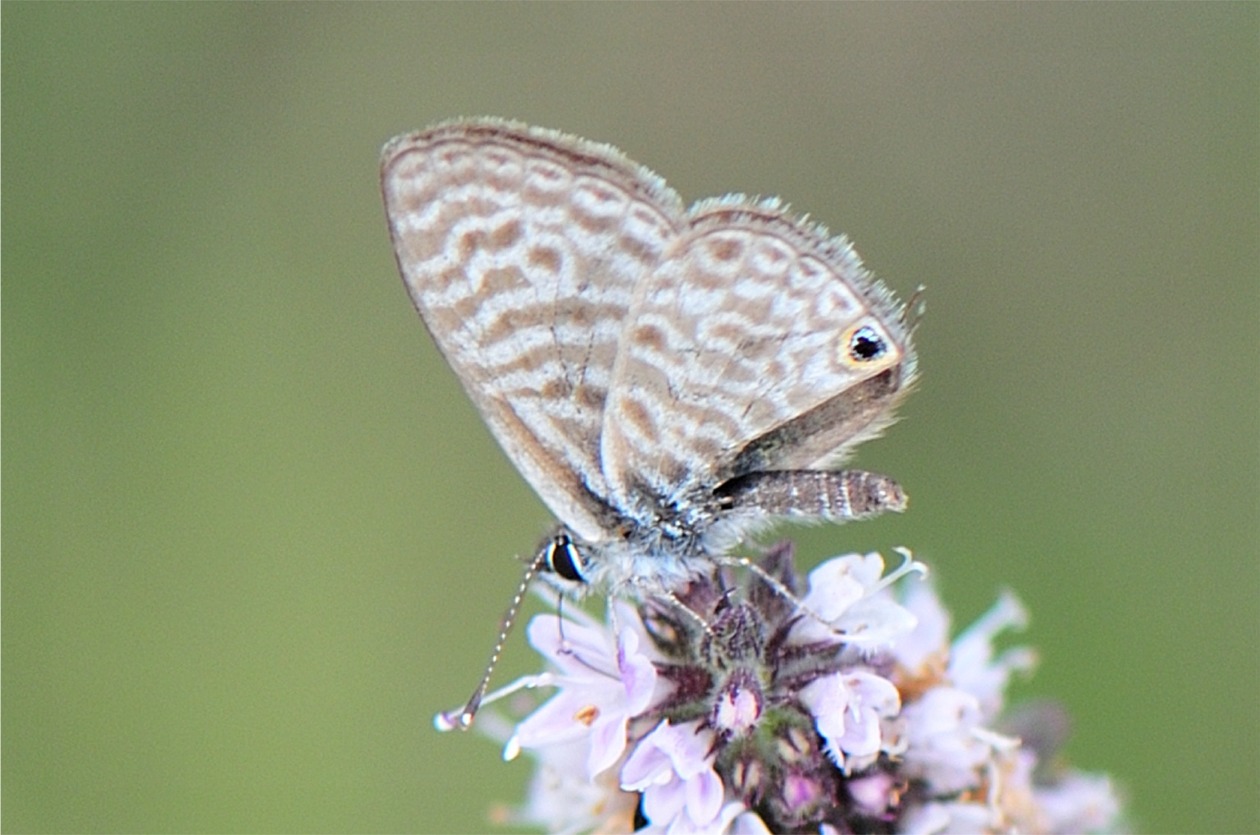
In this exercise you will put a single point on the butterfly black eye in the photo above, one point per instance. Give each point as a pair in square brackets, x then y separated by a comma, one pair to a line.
[564, 558]
[866, 344]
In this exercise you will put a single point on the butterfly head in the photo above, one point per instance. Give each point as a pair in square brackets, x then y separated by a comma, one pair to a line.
[559, 554]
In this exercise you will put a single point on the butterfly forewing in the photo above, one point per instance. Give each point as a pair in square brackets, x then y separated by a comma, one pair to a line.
[522, 248]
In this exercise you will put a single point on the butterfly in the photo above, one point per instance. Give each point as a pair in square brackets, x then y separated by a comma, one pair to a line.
[669, 380]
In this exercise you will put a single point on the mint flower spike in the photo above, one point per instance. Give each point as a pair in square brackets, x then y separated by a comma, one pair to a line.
[731, 708]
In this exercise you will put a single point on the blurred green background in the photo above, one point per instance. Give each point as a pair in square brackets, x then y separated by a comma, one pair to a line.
[254, 534]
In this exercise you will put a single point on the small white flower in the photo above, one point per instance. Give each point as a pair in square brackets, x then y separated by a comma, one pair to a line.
[976, 668]
[673, 767]
[942, 749]
[947, 818]
[848, 709]
[1079, 803]
[848, 595]
[557, 802]
[602, 683]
